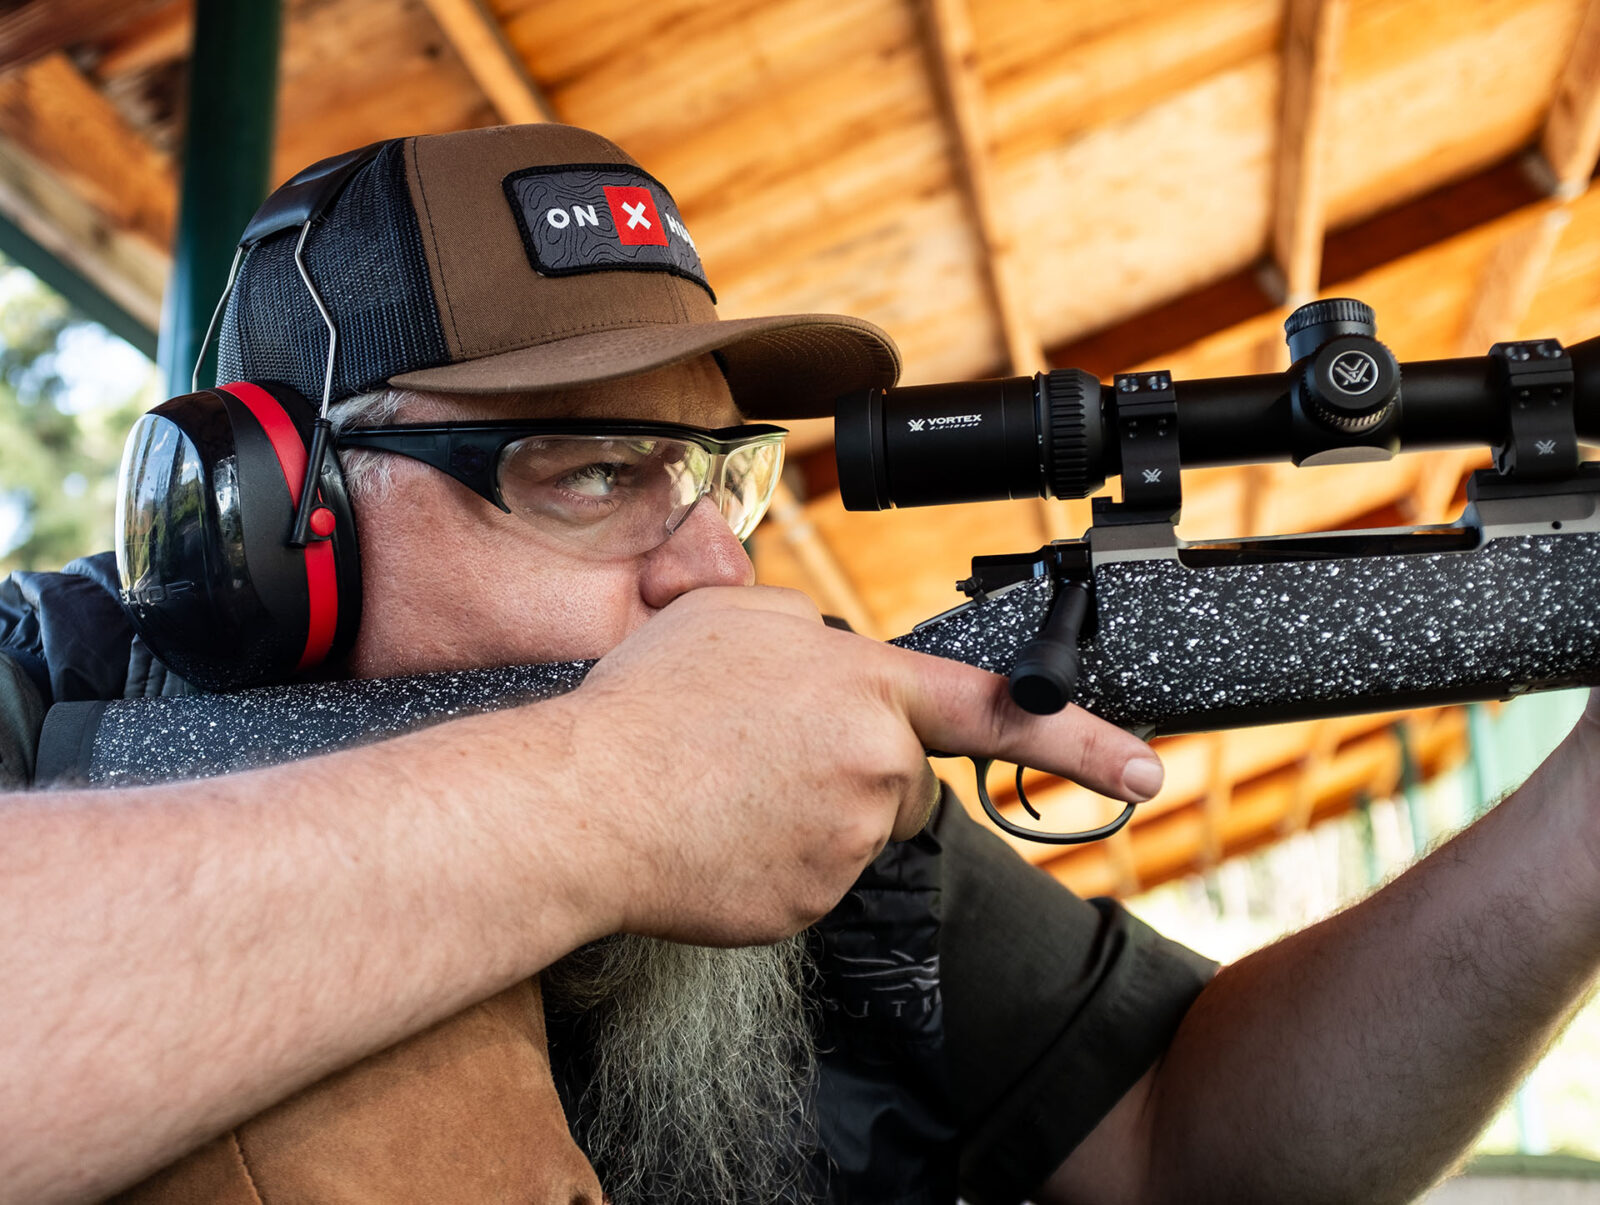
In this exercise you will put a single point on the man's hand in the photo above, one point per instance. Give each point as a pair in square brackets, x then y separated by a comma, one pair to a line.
[758, 760]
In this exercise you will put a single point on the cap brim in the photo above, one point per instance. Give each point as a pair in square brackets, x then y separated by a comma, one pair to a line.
[792, 366]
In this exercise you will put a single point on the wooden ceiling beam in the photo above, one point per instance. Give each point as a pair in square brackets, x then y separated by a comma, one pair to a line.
[1511, 279]
[827, 582]
[127, 269]
[1215, 803]
[1296, 816]
[1570, 144]
[1124, 863]
[51, 112]
[1353, 251]
[953, 56]
[161, 37]
[1312, 37]
[1569, 149]
[481, 42]
[37, 27]
[947, 31]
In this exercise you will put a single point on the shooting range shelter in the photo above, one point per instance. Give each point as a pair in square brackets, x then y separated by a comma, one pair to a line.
[1004, 184]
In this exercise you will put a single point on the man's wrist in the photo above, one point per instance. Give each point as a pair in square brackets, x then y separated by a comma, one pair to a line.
[567, 814]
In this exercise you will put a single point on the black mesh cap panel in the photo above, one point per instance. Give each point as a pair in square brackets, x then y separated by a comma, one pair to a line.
[367, 260]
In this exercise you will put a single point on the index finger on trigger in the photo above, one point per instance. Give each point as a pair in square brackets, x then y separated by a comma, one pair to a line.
[959, 709]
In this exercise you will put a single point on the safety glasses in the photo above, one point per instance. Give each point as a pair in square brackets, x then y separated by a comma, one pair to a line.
[613, 488]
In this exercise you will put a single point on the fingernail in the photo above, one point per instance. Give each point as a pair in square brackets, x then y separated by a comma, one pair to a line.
[1141, 778]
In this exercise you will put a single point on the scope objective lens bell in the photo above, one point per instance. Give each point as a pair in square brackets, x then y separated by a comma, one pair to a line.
[976, 441]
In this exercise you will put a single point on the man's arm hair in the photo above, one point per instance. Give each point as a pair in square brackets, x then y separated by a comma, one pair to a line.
[1355, 1061]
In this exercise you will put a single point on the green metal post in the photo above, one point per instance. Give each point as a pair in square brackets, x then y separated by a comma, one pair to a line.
[227, 165]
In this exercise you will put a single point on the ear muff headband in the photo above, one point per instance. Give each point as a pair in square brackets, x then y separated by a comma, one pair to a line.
[322, 579]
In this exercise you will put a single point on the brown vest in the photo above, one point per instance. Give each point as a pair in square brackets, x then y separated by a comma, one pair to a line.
[463, 1112]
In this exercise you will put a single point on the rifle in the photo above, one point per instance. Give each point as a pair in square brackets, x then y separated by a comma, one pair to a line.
[1160, 635]
[1153, 633]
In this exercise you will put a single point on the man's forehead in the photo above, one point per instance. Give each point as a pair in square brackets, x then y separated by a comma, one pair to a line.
[694, 393]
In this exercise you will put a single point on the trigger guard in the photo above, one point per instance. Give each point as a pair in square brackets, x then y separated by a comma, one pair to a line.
[982, 764]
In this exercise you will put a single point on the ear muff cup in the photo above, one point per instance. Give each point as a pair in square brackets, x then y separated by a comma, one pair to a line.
[205, 507]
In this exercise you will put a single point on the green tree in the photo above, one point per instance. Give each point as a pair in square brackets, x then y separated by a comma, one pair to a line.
[59, 449]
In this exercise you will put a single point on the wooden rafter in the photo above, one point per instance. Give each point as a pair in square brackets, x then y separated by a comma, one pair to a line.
[481, 42]
[1119, 849]
[1313, 31]
[947, 29]
[127, 269]
[50, 111]
[947, 32]
[38, 27]
[1214, 804]
[1313, 766]
[1511, 279]
[827, 582]
[161, 37]
[1571, 140]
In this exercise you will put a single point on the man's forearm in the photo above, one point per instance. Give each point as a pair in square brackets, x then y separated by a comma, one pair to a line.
[1354, 1061]
[178, 959]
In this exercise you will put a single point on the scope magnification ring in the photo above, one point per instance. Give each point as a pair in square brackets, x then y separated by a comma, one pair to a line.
[1072, 451]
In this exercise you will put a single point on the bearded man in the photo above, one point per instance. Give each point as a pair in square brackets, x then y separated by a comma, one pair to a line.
[315, 982]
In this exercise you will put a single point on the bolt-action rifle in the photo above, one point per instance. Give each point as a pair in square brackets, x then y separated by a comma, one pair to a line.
[1153, 633]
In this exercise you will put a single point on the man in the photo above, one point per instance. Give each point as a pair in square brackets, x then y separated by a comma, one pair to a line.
[721, 778]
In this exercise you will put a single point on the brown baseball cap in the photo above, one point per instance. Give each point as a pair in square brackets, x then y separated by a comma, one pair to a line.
[515, 259]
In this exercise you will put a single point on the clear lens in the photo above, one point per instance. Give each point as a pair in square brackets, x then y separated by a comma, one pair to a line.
[749, 475]
[620, 497]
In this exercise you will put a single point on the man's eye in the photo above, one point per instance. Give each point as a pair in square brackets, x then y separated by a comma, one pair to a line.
[592, 480]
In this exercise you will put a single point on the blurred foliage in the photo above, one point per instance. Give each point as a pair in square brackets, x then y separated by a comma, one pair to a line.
[58, 455]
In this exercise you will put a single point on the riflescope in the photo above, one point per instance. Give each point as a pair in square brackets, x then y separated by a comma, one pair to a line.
[1344, 398]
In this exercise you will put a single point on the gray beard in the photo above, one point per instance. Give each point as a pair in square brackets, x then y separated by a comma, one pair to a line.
[702, 1068]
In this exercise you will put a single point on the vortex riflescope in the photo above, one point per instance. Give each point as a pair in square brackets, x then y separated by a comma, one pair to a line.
[1063, 433]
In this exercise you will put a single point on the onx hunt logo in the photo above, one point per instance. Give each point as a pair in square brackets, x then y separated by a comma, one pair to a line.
[947, 422]
[599, 218]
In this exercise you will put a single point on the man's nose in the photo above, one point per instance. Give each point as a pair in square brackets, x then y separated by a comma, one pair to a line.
[702, 552]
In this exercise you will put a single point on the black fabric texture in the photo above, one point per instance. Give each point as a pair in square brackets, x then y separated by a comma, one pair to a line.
[69, 635]
[1054, 1007]
[21, 717]
[66, 743]
[884, 1116]
[68, 630]
[366, 257]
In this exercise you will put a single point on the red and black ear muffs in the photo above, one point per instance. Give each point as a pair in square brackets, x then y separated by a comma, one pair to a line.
[206, 506]
[227, 577]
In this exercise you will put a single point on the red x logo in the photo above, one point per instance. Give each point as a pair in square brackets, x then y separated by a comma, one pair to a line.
[634, 212]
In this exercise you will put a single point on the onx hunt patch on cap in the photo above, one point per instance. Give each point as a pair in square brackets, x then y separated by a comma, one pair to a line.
[599, 218]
